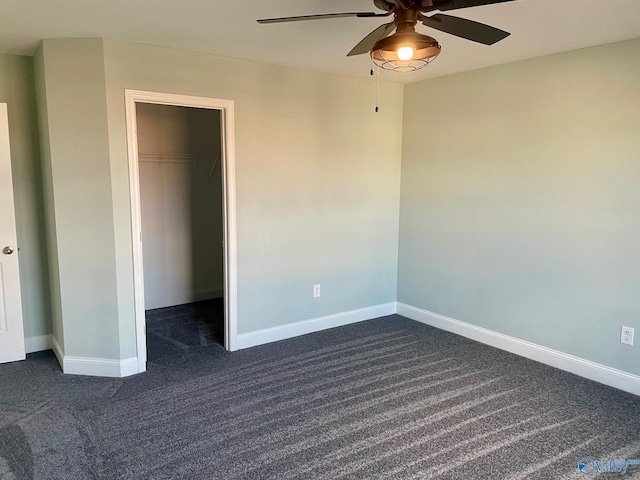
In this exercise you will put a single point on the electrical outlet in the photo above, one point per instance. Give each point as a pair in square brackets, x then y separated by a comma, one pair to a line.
[626, 335]
[316, 291]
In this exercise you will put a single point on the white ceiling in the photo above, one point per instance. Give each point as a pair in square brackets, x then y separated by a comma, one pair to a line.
[538, 27]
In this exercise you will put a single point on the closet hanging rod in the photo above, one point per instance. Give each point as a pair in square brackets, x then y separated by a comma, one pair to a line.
[171, 157]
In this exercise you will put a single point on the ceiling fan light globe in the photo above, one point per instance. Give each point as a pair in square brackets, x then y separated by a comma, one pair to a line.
[386, 53]
[405, 53]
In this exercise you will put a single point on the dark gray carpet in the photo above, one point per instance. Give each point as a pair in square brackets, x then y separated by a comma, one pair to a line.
[176, 331]
[383, 399]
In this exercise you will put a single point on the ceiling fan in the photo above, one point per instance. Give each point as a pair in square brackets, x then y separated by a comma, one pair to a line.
[406, 50]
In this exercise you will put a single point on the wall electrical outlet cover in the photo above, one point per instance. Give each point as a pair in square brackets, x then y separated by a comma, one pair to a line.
[316, 291]
[626, 335]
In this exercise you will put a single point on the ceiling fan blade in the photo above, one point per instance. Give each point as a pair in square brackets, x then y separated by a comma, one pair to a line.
[367, 43]
[456, 4]
[318, 17]
[461, 27]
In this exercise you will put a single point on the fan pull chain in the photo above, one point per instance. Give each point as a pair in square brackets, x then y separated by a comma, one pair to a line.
[377, 88]
[372, 73]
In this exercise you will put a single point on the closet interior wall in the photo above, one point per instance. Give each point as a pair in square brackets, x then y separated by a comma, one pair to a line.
[179, 152]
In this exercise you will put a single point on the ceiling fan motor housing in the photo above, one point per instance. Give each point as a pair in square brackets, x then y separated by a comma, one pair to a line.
[385, 5]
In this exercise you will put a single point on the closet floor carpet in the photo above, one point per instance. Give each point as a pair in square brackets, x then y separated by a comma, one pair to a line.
[183, 330]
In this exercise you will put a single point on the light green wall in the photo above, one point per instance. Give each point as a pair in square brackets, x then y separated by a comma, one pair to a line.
[17, 90]
[317, 180]
[520, 199]
[71, 84]
[47, 190]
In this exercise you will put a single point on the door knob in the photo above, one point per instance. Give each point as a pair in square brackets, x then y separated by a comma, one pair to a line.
[7, 250]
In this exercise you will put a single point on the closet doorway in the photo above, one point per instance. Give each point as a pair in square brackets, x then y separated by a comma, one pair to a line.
[183, 222]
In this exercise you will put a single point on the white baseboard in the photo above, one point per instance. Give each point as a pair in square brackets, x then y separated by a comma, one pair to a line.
[96, 367]
[100, 367]
[579, 366]
[161, 301]
[58, 351]
[283, 332]
[584, 368]
[38, 344]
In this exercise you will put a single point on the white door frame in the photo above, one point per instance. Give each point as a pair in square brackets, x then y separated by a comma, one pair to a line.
[229, 215]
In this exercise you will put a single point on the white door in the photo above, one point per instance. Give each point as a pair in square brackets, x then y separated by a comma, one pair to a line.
[11, 332]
